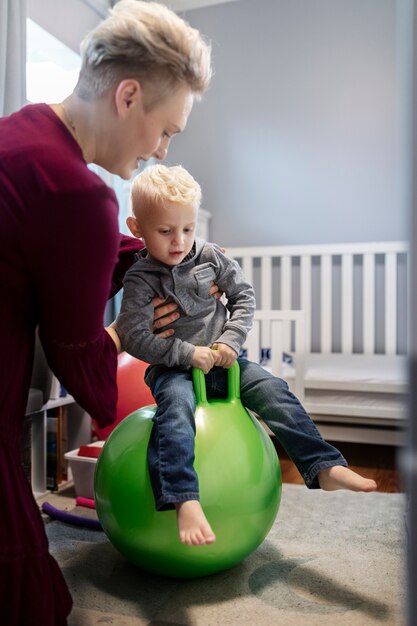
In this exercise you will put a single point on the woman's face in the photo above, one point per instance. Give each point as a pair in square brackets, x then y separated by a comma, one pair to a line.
[142, 135]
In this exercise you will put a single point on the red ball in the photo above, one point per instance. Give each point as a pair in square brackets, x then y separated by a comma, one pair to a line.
[133, 392]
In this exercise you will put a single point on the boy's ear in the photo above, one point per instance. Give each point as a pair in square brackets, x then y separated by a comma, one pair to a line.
[133, 226]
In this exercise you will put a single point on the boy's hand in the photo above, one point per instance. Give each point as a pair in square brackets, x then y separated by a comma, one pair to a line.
[204, 358]
[225, 356]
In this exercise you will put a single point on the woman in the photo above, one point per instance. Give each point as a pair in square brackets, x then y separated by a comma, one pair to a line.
[61, 255]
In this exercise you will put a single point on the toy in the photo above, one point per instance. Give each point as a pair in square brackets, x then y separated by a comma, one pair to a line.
[134, 393]
[70, 518]
[86, 502]
[240, 487]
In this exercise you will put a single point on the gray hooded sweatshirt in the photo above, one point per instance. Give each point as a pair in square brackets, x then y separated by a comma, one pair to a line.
[204, 319]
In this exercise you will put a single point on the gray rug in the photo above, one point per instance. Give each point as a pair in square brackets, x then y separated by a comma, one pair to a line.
[330, 558]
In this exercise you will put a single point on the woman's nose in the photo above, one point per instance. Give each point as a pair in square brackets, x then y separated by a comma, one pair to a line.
[162, 150]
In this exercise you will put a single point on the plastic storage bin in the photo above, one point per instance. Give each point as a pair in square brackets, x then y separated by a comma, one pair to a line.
[82, 470]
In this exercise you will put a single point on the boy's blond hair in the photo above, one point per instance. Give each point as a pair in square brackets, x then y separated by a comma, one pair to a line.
[158, 184]
[148, 42]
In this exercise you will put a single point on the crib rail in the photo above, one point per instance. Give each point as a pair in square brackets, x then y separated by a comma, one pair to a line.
[277, 323]
[354, 296]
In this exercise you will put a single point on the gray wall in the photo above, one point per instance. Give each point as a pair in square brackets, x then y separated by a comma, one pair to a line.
[410, 456]
[304, 134]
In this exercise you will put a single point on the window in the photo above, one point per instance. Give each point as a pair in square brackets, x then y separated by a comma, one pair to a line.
[51, 74]
[51, 67]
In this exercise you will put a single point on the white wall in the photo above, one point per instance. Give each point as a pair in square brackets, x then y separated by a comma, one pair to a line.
[304, 134]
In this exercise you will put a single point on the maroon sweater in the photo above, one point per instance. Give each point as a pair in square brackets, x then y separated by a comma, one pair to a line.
[61, 255]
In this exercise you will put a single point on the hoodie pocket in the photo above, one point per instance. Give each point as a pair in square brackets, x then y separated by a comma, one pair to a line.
[204, 278]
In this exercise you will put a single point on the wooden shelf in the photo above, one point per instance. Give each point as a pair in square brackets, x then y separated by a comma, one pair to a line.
[78, 433]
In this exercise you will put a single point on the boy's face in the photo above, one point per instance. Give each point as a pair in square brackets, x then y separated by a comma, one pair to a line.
[168, 231]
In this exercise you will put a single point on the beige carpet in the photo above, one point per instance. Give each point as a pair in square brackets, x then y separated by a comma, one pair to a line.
[331, 558]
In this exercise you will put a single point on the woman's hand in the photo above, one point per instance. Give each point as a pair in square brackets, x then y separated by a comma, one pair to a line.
[164, 314]
[215, 291]
[113, 334]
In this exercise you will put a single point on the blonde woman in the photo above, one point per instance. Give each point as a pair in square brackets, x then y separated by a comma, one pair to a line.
[62, 255]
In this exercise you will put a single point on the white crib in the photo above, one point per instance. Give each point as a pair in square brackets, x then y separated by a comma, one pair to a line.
[341, 312]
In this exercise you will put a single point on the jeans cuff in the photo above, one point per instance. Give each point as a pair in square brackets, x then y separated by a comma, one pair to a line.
[168, 502]
[311, 479]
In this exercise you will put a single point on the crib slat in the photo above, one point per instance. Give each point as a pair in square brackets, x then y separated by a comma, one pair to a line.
[286, 284]
[368, 303]
[266, 297]
[347, 303]
[252, 342]
[266, 282]
[390, 303]
[277, 329]
[300, 351]
[305, 301]
[247, 267]
[326, 304]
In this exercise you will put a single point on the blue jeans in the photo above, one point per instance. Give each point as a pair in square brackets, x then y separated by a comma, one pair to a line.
[171, 446]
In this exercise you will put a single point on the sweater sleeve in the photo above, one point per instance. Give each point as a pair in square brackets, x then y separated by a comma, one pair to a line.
[134, 327]
[72, 253]
[128, 247]
[241, 302]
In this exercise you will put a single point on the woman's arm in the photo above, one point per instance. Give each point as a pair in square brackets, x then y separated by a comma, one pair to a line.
[71, 254]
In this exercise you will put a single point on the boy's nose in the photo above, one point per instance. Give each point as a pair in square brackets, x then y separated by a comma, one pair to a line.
[178, 238]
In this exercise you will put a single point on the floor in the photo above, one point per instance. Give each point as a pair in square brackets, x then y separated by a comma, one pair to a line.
[301, 575]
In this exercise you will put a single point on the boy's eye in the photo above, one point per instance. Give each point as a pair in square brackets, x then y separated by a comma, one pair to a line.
[164, 231]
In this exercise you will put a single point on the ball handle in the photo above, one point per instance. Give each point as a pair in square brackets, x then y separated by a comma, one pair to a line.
[233, 381]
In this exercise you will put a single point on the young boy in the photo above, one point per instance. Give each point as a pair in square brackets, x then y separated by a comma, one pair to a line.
[177, 266]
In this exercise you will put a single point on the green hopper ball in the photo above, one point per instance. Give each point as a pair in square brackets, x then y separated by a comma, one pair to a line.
[240, 487]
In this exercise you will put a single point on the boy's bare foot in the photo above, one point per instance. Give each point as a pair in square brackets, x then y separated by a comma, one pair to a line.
[339, 477]
[193, 526]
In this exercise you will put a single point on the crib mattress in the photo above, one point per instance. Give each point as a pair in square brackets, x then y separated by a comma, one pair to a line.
[372, 386]
[355, 372]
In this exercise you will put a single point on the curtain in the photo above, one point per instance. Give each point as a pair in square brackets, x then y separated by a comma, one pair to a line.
[409, 457]
[12, 55]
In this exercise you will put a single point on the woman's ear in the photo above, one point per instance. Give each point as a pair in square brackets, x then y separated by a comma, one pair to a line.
[128, 94]
[133, 226]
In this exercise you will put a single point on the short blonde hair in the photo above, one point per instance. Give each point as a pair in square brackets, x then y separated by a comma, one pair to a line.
[158, 184]
[146, 41]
